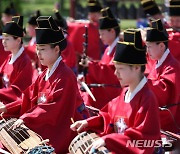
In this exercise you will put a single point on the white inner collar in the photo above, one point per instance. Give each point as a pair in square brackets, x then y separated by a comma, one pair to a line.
[55, 65]
[163, 58]
[130, 95]
[111, 47]
[15, 57]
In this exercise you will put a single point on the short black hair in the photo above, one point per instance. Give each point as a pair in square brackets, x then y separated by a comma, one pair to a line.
[143, 68]
[116, 29]
[62, 45]
[165, 43]
[15, 37]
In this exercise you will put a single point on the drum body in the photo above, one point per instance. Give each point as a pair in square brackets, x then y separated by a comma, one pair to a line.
[82, 143]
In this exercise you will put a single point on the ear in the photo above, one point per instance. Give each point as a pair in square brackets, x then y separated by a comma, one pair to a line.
[19, 39]
[112, 30]
[57, 49]
[137, 67]
[162, 46]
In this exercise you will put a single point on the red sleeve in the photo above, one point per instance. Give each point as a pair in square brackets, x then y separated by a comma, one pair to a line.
[101, 123]
[14, 108]
[163, 86]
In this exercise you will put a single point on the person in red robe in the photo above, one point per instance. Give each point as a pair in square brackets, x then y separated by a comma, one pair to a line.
[76, 30]
[53, 99]
[102, 72]
[134, 114]
[174, 32]
[17, 67]
[31, 47]
[164, 76]
[4, 54]
[174, 36]
[69, 54]
[7, 15]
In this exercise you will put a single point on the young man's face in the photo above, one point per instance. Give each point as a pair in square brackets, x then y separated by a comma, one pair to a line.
[9, 42]
[124, 73]
[107, 36]
[154, 50]
[47, 55]
[175, 22]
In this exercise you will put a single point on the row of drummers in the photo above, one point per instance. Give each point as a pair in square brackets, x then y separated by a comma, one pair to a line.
[48, 104]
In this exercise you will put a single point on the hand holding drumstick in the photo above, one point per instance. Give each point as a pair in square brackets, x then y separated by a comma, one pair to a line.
[78, 125]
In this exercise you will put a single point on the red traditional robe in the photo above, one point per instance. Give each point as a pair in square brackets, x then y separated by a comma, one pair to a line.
[48, 106]
[102, 73]
[174, 44]
[164, 82]
[15, 78]
[31, 50]
[3, 54]
[149, 65]
[76, 31]
[120, 121]
[69, 56]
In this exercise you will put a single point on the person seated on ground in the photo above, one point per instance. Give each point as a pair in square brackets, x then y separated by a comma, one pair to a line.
[164, 76]
[16, 71]
[109, 30]
[134, 114]
[49, 103]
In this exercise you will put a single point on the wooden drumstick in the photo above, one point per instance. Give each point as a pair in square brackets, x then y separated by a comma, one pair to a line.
[72, 120]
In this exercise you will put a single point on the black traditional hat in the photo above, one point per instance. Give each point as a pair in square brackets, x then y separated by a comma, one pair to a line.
[134, 36]
[107, 20]
[49, 33]
[10, 10]
[174, 8]
[131, 51]
[60, 21]
[32, 19]
[14, 27]
[156, 33]
[94, 6]
[150, 7]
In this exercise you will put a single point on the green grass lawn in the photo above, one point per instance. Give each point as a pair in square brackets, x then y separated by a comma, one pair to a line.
[128, 23]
